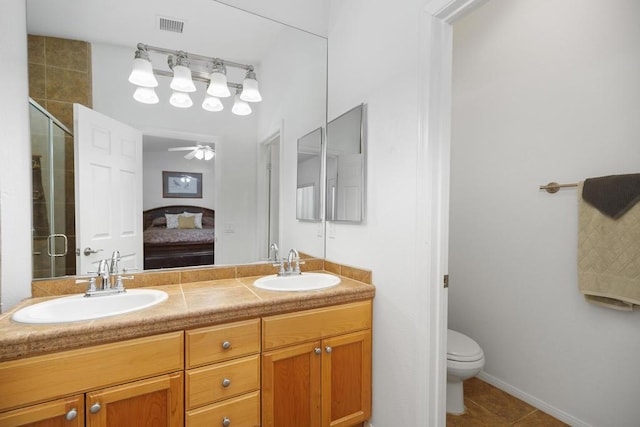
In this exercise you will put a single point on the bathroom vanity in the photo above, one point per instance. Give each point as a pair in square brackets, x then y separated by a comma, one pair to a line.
[235, 355]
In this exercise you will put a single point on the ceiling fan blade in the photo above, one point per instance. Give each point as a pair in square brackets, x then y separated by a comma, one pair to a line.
[183, 148]
[191, 155]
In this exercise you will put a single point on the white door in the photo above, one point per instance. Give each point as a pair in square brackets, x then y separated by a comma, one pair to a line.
[349, 202]
[108, 166]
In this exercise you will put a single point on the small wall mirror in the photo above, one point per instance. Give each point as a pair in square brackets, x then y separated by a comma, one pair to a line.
[346, 142]
[309, 176]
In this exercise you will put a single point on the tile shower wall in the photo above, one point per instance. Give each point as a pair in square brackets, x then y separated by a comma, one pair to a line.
[59, 76]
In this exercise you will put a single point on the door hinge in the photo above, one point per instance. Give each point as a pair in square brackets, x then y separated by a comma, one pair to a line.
[446, 280]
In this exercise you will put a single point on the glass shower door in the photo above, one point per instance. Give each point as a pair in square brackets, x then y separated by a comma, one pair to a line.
[53, 221]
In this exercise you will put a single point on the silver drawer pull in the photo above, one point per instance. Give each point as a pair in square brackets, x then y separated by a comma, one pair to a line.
[95, 408]
[226, 422]
[317, 350]
[226, 382]
[226, 345]
[71, 415]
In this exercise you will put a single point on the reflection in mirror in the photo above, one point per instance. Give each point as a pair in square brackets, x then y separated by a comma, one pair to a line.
[290, 65]
[309, 176]
[346, 143]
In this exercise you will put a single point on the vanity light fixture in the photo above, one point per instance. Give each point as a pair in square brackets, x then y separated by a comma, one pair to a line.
[187, 67]
[240, 106]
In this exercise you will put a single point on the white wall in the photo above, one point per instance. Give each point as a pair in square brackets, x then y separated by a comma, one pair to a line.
[297, 102]
[543, 91]
[309, 15]
[15, 158]
[373, 58]
[154, 163]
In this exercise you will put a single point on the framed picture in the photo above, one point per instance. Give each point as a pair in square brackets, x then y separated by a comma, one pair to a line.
[181, 185]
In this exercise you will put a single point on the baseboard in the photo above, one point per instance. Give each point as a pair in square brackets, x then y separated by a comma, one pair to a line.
[533, 401]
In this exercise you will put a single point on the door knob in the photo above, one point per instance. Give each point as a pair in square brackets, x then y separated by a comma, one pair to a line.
[226, 422]
[88, 251]
[317, 350]
[328, 349]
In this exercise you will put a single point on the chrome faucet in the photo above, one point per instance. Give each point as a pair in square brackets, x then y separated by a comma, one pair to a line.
[103, 273]
[110, 277]
[294, 257]
[274, 248]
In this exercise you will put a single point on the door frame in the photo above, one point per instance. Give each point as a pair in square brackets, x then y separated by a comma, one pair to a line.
[432, 229]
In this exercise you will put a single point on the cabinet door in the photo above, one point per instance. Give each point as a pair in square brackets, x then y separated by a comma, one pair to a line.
[291, 386]
[346, 379]
[154, 402]
[67, 412]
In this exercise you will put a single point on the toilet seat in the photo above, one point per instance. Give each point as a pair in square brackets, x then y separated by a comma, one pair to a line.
[461, 348]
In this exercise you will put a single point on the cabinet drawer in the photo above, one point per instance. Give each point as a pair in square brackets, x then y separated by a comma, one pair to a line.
[222, 342]
[240, 411]
[222, 381]
[310, 325]
[67, 412]
[41, 378]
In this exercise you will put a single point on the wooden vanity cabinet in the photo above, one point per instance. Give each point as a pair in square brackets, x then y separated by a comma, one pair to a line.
[222, 386]
[127, 380]
[316, 367]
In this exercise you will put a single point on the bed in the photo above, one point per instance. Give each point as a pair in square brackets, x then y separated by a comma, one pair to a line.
[173, 237]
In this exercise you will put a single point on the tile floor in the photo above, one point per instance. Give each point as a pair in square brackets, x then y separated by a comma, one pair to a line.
[491, 407]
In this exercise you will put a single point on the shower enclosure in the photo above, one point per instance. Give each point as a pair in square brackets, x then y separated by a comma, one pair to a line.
[53, 220]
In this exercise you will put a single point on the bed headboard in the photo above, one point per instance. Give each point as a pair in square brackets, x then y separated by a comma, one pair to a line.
[151, 214]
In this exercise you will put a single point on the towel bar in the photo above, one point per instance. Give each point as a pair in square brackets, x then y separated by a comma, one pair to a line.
[553, 187]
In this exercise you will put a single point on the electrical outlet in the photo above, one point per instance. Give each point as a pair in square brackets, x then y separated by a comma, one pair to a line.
[229, 228]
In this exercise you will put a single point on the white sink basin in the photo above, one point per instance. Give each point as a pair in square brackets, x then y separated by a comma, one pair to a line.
[297, 283]
[77, 308]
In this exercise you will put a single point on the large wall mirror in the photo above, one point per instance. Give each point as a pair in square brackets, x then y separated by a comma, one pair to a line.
[346, 149]
[250, 182]
[309, 176]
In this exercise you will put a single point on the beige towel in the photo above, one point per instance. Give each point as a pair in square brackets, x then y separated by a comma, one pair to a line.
[609, 256]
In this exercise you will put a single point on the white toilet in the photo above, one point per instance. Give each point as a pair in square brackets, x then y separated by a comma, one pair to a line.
[465, 359]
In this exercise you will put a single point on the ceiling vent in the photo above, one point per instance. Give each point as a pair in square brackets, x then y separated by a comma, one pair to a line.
[170, 24]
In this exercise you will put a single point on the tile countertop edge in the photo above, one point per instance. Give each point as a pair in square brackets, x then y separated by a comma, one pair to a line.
[30, 341]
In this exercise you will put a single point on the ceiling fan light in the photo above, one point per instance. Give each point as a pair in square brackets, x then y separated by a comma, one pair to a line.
[250, 91]
[240, 107]
[180, 99]
[142, 71]
[200, 154]
[146, 95]
[211, 103]
[208, 154]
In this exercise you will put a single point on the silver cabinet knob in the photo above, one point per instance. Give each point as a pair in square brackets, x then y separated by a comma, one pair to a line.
[317, 350]
[328, 349]
[226, 345]
[95, 408]
[226, 422]
[71, 415]
[226, 382]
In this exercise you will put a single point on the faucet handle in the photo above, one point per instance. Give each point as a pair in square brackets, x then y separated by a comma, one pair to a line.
[119, 285]
[90, 280]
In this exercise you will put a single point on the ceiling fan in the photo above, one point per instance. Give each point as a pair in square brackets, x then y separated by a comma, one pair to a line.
[200, 152]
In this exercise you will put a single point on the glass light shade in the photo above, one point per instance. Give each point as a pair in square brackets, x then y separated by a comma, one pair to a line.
[146, 95]
[240, 107]
[182, 79]
[218, 85]
[180, 100]
[211, 103]
[208, 155]
[142, 73]
[250, 92]
[199, 154]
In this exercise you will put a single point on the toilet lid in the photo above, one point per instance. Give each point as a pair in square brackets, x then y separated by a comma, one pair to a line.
[461, 348]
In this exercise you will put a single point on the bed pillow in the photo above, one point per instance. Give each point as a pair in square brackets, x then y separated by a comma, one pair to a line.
[172, 220]
[186, 221]
[197, 218]
[159, 222]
